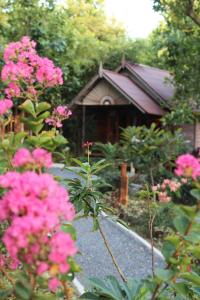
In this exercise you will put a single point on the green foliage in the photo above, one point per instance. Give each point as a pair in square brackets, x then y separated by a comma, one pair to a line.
[37, 113]
[85, 189]
[151, 148]
[83, 37]
[178, 48]
[180, 115]
[109, 151]
[180, 278]
[111, 289]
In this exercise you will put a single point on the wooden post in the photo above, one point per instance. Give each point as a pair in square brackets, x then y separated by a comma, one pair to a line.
[83, 123]
[123, 193]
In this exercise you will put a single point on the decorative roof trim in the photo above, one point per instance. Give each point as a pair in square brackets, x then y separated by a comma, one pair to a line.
[78, 99]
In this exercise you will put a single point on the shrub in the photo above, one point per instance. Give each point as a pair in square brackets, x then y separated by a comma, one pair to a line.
[35, 211]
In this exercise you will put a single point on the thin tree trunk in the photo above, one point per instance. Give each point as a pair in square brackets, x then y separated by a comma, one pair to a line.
[111, 254]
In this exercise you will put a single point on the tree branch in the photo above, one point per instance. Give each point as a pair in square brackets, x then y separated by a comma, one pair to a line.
[190, 12]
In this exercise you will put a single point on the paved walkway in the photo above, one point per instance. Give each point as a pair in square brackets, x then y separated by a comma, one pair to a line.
[132, 254]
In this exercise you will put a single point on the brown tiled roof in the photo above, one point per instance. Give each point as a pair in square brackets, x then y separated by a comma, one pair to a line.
[135, 94]
[157, 79]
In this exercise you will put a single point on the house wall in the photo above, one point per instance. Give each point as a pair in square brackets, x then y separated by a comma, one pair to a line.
[101, 90]
[190, 132]
[197, 135]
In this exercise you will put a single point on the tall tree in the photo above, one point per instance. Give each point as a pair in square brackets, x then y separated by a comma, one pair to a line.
[179, 46]
[77, 36]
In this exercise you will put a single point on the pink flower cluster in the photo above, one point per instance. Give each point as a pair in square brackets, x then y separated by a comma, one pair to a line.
[162, 189]
[59, 114]
[187, 166]
[5, 105]
[38, 158]
[23, 66]
[7, 262]
[35, 206]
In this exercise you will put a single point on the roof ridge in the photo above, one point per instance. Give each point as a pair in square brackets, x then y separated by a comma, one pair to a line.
[116, 73]
[148, 67]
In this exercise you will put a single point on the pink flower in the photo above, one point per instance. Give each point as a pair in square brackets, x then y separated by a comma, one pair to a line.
[87, 144]
[13, 90]
[154, 188]
[22, 157]
[54, 283]
[163, 197]
[38, 158]
[59, 114]
[42, 158]
[35, 206]
[5, 105]
[188, 166]
[24, 66]
[43, 267]
[184, 180]
[63, 111]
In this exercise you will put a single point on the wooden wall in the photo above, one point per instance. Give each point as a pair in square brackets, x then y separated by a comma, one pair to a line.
[101, 90]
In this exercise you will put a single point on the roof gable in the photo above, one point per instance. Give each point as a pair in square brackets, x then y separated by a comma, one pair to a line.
[130, 90]
[154, 81]
[134, 93]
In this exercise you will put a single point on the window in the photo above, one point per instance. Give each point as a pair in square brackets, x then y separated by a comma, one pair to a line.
[107, 100]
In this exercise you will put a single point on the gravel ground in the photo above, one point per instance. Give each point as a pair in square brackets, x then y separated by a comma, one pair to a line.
[133, 257]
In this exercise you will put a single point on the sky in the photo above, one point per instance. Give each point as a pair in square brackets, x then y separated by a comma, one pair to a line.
[137, 16]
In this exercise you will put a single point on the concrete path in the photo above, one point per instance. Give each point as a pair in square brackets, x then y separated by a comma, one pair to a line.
[132, 253]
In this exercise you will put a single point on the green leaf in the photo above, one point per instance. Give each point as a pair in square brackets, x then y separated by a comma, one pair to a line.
[59, 140]
[68, 228]
[164, 275]
[195, 250]
[168, 249]
[192, 277]
[190, 211]
[5, 293]
[19, 137]
[23, 290]
[42, 106]
[174, 239]
[182, 289]
[193, 237]
[90, 296]
[181, 224]
[43, 116]
[109, 288]
[195, 193]
[28, 107]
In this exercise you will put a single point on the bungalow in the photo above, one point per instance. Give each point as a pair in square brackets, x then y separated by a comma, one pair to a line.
[134, 94]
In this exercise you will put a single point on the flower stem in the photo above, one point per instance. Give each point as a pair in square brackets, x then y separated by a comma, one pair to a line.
[67, 290]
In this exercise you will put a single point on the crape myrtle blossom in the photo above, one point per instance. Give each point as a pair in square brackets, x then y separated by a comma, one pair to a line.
[166, 187]
[5, 105]
[187, 166]
[34, 194]
[24, 67]
[60, 113]
[35, 206]
[27, 241]
[38, 158]
[7, 262]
